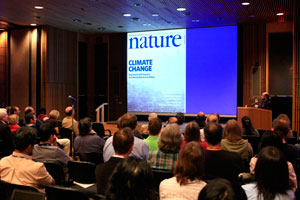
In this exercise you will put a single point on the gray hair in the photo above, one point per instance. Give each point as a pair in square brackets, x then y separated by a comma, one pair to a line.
[3, 112]
[170, 139]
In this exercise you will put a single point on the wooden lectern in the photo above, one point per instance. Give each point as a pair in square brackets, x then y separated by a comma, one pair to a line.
[260, 118]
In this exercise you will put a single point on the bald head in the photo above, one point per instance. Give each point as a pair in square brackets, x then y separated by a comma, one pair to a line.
[212, 118]
[68, 111]
[172, 120]
[128, 120]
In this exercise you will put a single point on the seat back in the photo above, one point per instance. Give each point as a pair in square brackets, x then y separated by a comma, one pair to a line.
[160, 175]
[66, 133]
[254, 141]
[6, 189]
[291, 140]
[98, 128]
[93, 157]
[82, 172]
[56, 171]
[55, 192]
[26, 195]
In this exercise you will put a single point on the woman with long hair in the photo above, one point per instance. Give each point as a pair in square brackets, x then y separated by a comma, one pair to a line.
[248, 128]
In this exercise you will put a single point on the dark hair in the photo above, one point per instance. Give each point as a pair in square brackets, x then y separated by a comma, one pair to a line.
[132, 179]
[128, 120]
[11, 110]
[192, 132]
[84, 126]
[281, 127]
[247, 125]
[217, 189]
[180, 118]
[213, 133]
[46, 130]
[28, 117]
[190, 164]
[42, 111]
[24, 136]
[271, 173]
[200, 119]
[269, 138]
[122, 140]
[154, 126]
[28, 110]
[69, 113]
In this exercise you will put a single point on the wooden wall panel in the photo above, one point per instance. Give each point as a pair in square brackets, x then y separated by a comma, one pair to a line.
[4, 79]
[296, 72]
[254, 49]
[59, 68]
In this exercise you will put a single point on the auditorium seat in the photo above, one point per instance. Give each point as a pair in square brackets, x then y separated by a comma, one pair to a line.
[64, 193]
[93, 157]
[82, 172]
[26, 195]
[6, 189]
[99, 129]
[254, 141]
[57, 172]
[160, 175]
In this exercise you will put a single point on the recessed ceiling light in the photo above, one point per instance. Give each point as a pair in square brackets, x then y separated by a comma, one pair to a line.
[76, 20]
[39, 7]
[32, 24]
[127, 15]
[245, 3]
[279, 14]
[181, 9]
[195, 20]
[155, 15]
[146, 24]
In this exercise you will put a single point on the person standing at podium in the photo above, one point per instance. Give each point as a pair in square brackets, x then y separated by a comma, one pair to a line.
[266, 101]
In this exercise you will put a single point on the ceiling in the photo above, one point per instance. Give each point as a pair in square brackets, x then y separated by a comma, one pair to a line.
[107, 15]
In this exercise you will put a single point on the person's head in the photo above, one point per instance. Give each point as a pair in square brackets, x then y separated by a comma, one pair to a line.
[265, 96]
[54, 114]
[25, 138]
[200, 119]
[180, 118]
[246, 122]
[132, 179]
[154, 126]
[47, 132]
[212, 118]
[217, 189]
[69, 111]
[269, 138]
[85, 126]
[30, 118]
[29, 109]
[152, 116]
[13, 119]
[3, 115]
[17, 110]
[271, 173]
[281, 127]
[42, 111]
[11, 110]
[172, 120]
[192, 132]
[128, 120]
[170, 139]
[123, 141]
[233, 130]
[190, 163]
[213, 133]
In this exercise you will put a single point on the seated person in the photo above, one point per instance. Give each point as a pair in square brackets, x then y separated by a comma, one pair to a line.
[132, 179]
[6, 137]
[19, 168]
[169, 145]
[123, 144]
[140, 148]
[189, 170]
[155, 126]
[248, 129]
[47, 149]
[88, 141]
[13, 121]
[192, 133]
[145, 128]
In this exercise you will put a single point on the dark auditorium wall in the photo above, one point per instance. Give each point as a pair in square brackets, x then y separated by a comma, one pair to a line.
[59, 68]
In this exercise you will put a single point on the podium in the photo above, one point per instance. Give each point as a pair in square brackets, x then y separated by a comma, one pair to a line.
[260, 118]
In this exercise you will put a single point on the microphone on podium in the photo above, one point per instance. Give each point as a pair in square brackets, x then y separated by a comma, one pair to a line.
[72, 98]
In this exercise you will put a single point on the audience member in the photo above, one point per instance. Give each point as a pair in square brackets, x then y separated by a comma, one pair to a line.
[144, 128]
[42, 115]
[132, 180]
[154, 127]
[180, 121]
[200, 119]
[248, 129]
[233, 141]
[13, 121]
[169, 145]
[54, 114]
[123, 144]
[140, 148]
[30, 109]
[189, 170]
[221, 189]
[88, 141]
[220, 163]
[19, 168]
[210, 118]
[47, 149]
[68, 123]
[282, 128]
[270, 138]
[172, 120]
[271, 176]
[192, 133]
[284, 118]
[6, 137]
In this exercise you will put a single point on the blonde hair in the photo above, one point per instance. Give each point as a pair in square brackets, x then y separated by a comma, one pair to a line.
[233, 131]
[13, 119]
[54, 114]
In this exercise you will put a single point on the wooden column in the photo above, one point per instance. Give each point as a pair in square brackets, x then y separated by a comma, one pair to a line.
[296, 66]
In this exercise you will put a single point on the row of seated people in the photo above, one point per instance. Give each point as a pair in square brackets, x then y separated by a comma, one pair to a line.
[169, 143]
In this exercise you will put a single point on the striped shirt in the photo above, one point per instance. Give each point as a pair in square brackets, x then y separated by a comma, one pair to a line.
[160, 160]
